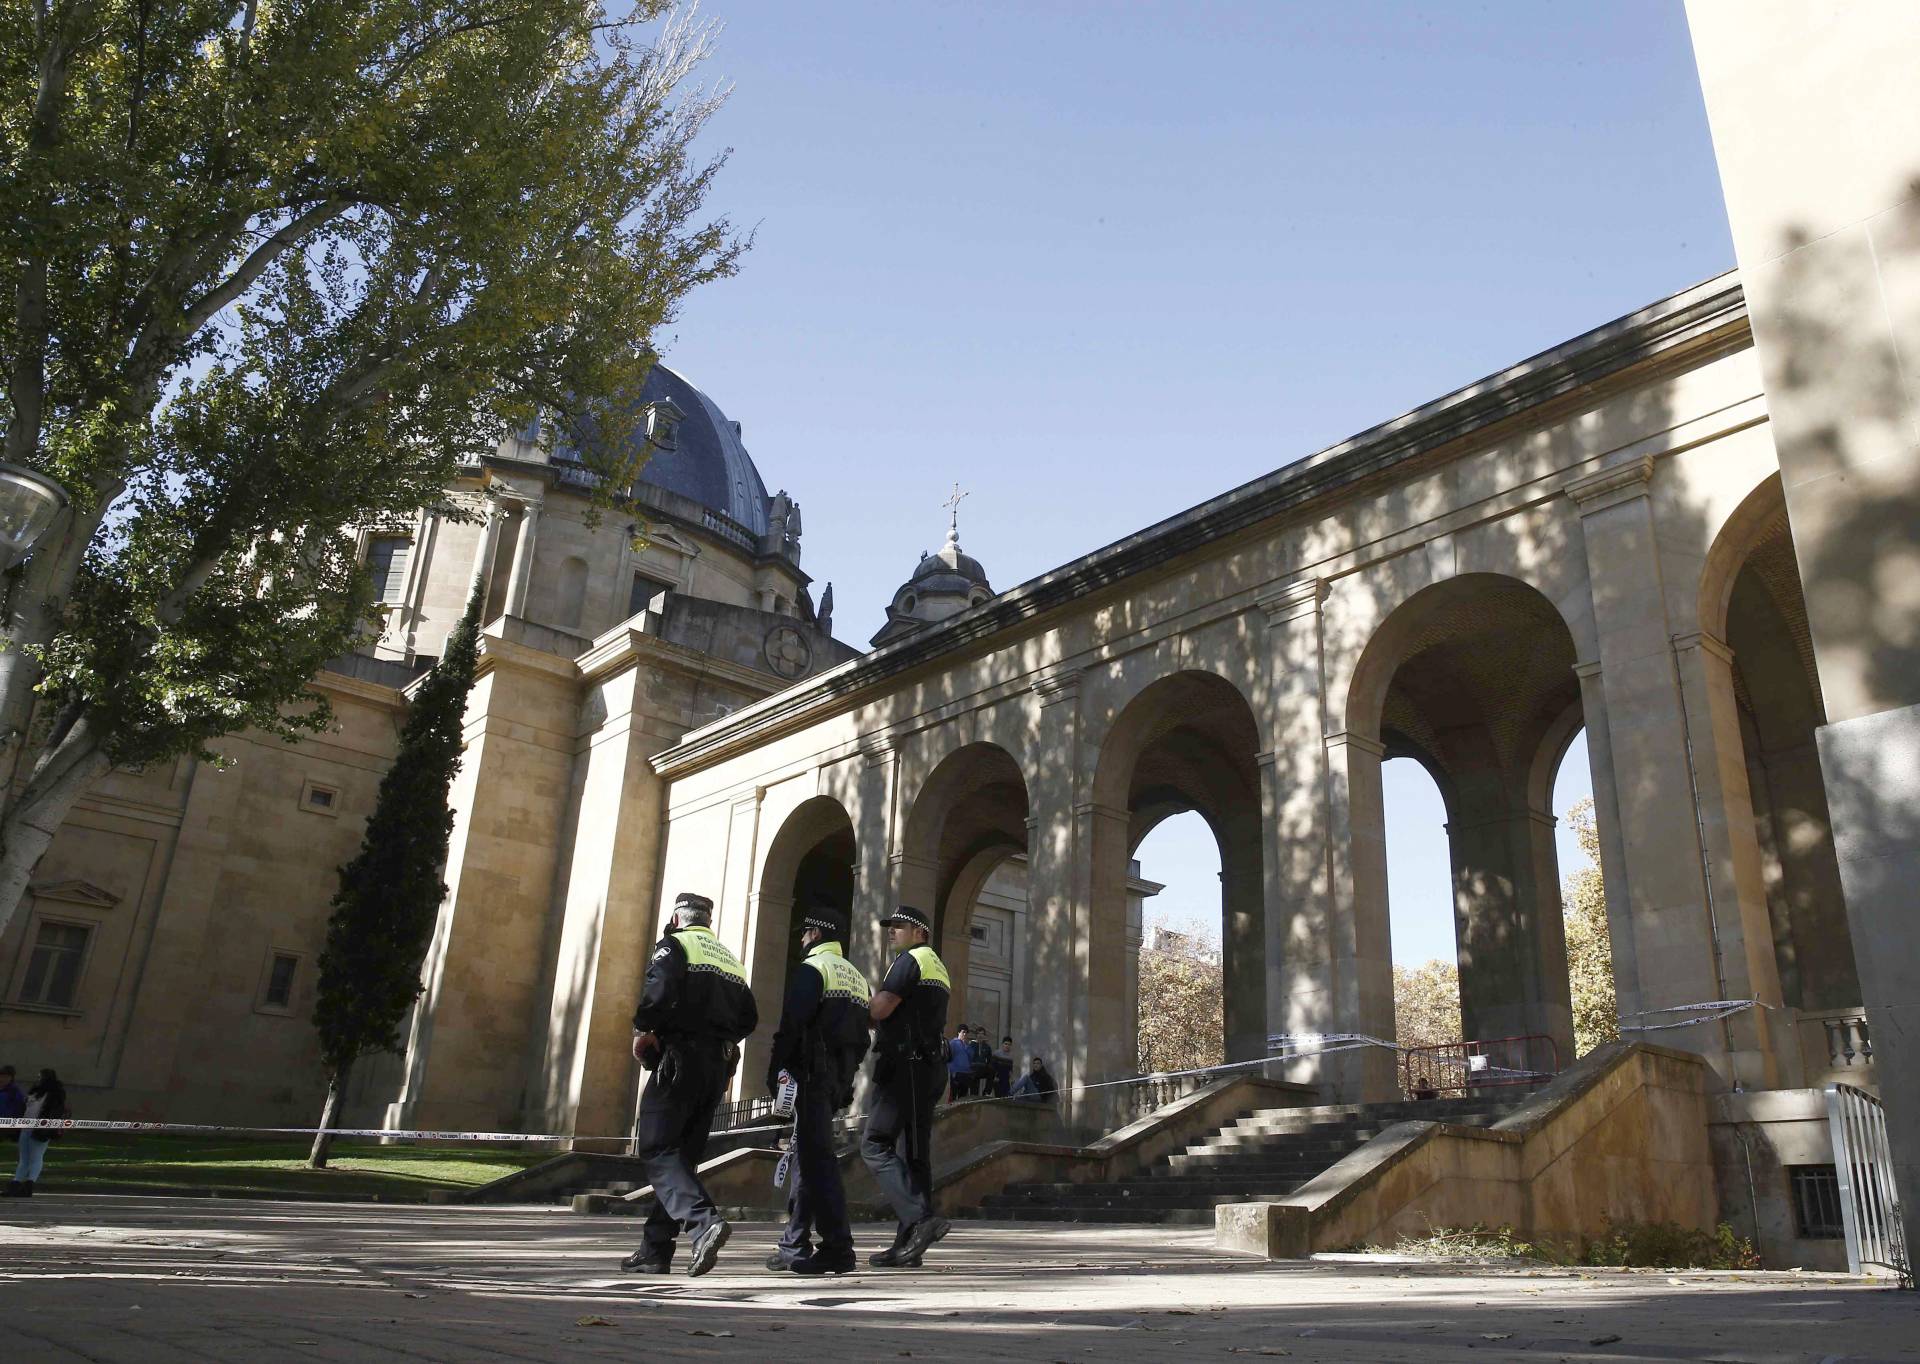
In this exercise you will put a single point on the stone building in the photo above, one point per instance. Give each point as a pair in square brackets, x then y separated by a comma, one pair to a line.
[1693, 532]
[165, 962]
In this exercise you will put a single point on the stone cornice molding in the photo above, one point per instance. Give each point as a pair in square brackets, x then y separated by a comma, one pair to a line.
[1286, 602]
[625, 647]
[1346, 738]
[373, 693]
[877, 750]
[1708, 319]
[1585, 670]
[74, 892]
[1611, 487]
[1098, 811]
[1055, 687]
[1705, 643]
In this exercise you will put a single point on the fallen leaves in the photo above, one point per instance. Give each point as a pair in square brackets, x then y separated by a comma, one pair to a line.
[591, 1321]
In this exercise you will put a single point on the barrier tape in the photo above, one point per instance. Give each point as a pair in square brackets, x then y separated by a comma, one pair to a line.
[218, 1129]
[1715, 1010]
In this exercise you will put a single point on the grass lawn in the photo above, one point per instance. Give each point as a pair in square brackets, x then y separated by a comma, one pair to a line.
[82, 1162]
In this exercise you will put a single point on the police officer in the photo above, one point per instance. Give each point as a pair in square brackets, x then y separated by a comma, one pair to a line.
[821, 1041]
[694, 1009]
[909, 1074]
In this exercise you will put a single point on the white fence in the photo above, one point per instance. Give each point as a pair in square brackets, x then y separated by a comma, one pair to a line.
[1869, 1203]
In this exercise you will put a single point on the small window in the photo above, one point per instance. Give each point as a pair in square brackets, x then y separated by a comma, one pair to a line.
[53, 971]
[279, 991]
[978, 932]
[320, 799]
[645, 589]
[387, 564]
[1816, 1202]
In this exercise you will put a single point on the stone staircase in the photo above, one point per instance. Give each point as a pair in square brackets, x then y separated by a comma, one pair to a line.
[1265, 1155]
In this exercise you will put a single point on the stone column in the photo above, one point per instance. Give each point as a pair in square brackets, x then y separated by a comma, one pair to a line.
[1509, 925]
[522, 572]
[1358, 936]
[1686, 931]
[875, 832]
[480, 579]
[1314, 972]
[1057, 884]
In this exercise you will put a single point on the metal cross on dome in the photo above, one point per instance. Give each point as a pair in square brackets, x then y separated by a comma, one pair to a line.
[952, 504]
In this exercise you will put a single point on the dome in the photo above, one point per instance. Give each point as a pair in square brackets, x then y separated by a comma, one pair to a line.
[943, 584]
[949, 571]
[706, 461]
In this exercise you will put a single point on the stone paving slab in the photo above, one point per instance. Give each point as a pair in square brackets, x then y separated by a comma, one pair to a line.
[154, 1280]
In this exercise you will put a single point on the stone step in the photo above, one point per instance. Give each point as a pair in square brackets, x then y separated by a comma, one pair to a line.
[1041, 1212]
[1186, 1196]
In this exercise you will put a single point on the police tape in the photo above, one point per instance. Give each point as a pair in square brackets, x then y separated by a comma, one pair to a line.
[224, 1129]
[1294, 1047]
[1707, 1011]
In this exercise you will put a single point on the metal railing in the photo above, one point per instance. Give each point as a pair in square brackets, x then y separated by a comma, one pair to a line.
[1454, 1069]
[1869, 1202]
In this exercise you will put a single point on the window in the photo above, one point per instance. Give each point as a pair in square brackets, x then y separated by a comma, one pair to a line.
[1816, 1202]
[319, 799]
[978, 932]
[387, 563]
[53, 971]
[279, 991]
[645, 589]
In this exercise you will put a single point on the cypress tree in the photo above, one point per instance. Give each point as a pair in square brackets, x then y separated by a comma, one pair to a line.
[390, 893]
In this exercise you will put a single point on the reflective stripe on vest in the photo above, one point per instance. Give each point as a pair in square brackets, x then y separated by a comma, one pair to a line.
[841, 977]
[707, 953]
[932, 970]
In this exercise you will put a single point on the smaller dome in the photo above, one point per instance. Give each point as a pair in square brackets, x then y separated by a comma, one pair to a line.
[934, 570]
[943, 584]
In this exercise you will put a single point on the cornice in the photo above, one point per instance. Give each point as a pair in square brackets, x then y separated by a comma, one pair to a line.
[1612, 486]
[1710, 318]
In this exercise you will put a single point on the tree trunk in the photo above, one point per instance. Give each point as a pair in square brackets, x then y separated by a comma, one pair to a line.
[30, 826]
[329, 1118]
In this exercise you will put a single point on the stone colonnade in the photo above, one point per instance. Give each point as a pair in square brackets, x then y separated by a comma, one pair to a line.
[1474, 614]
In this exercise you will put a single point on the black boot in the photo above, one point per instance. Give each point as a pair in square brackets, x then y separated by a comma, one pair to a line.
[12, 1190]
[26, 1189]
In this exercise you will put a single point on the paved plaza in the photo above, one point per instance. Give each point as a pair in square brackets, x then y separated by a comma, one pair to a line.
[155, 1280]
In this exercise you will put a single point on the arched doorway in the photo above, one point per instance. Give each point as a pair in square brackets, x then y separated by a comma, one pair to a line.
[1474, 679]
[810, 859]
[1188, 742]
[1751, 598]
[963, 858]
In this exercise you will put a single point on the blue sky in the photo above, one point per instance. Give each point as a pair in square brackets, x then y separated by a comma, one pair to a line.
[1098, 262]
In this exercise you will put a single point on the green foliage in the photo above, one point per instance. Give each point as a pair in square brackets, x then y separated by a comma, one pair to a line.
[390, 893]
[1583, 898]
[1668, 1245]
[1182, 1020]
[1426, 1004]
[267, 274]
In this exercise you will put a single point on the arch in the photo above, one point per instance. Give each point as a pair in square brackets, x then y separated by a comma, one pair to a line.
[1188, 741]
[812, 854]
[1752, 600]
[1474, 676]
[1745, 527]
[968, 817]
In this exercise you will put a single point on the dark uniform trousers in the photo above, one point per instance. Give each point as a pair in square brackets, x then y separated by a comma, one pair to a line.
[898, 1143]
[676, 1115]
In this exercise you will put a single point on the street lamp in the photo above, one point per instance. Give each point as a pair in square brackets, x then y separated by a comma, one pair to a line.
[28, 504]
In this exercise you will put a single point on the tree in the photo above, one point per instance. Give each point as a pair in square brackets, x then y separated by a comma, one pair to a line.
[1583, 896]
[1426, 1004]
[1182, 1019]
[268, 272]
[390, 893]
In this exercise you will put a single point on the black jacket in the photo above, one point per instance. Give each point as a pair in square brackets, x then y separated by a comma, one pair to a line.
[822, 1037]
[682, 1005]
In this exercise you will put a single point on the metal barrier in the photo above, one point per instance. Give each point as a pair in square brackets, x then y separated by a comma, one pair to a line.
[1869, 1203]
[1455, 1069]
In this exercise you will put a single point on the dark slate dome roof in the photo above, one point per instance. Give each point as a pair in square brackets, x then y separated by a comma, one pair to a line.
[948, 571]
[707, 463]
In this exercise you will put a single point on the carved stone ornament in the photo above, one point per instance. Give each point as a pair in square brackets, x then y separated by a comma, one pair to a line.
[788, 652]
